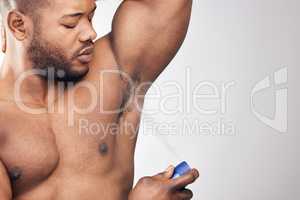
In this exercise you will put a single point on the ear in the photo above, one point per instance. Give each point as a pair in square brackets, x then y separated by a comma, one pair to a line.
[16, 24]
[3, 39]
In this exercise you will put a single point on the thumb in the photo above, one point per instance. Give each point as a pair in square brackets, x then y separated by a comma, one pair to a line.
[169, 171]
[167, 174]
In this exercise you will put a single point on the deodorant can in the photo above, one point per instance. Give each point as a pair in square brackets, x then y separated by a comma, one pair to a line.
[181, 169]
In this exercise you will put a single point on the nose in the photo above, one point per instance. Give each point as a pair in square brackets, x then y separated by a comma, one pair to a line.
[88, 34]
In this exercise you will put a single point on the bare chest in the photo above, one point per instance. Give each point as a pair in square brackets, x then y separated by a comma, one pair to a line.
[72, 141]
[36, 148]
[28, 150]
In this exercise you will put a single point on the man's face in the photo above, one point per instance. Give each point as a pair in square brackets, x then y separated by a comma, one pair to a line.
[63, 38]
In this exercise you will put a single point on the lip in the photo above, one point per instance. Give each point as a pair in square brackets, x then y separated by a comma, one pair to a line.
[85, 58]
[86, 55]
[88, 50]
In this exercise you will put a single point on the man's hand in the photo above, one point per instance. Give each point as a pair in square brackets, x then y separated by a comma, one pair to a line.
[162, 187]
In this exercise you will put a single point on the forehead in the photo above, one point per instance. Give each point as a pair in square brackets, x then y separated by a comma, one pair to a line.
[69, 6]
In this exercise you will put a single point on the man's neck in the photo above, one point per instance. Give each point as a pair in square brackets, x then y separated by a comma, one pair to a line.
[26, 86]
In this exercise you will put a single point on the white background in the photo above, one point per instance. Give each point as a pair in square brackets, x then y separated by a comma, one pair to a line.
[240, 41]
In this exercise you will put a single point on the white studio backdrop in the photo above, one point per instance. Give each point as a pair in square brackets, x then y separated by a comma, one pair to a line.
[228, 102]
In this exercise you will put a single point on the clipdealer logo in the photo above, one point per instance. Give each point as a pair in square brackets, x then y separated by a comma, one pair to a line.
[279, 121]
[208, 99]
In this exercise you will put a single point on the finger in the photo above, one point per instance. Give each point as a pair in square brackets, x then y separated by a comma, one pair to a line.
[184, 194]
[167, 174]
[182, 181]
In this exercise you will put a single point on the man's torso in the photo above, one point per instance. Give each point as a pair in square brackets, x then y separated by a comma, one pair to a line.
[67, 155]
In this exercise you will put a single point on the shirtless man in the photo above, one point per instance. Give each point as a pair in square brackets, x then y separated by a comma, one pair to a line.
[45, 154]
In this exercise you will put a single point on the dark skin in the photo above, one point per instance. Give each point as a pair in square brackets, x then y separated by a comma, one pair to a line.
[42, 156]
[162, 187]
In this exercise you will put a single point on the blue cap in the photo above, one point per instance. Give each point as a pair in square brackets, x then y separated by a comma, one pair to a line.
[181, 169]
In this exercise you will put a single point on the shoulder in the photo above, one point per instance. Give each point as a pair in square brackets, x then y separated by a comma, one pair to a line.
[6, 115]
[103, 59]
[10, 115]
[104, 53]
[5, 189]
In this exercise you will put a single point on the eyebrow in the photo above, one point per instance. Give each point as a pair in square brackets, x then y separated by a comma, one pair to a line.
[78, 14]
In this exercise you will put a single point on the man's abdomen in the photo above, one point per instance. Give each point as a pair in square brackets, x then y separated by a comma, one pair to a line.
[115, 185]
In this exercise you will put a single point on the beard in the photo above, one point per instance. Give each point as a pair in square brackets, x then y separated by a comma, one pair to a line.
[52, 61]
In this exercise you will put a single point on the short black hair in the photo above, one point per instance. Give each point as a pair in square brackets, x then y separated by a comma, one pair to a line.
[27, 7]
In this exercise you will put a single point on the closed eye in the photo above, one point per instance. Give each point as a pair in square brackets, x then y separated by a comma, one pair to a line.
[69, 26]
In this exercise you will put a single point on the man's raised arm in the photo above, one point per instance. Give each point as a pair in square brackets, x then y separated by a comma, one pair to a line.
[5, 189]
[146, 35]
